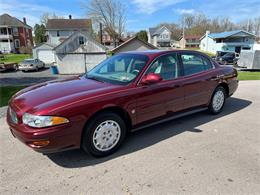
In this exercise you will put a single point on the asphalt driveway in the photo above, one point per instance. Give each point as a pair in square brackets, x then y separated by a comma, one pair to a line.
[28, 78]
[198, 154]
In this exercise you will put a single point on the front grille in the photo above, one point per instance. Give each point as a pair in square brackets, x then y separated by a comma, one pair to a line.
[13, 116]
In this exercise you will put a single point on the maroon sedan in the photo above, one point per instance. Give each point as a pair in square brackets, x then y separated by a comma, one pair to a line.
[124, 93]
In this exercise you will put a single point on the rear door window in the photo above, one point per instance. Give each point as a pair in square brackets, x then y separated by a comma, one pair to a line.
[195, 63]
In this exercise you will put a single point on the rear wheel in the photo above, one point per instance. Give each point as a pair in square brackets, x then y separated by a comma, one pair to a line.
[218, 100]
[104, 134]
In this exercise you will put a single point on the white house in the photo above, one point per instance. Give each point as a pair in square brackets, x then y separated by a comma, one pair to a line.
[57, 30]
[159, 37]
[227, 41]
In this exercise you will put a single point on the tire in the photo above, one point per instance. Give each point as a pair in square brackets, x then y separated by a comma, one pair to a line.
[110, 137]
[37, 69]
[217, 100]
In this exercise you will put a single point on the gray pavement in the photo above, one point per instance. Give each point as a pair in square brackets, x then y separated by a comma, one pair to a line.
[28, 78]
[198, 154]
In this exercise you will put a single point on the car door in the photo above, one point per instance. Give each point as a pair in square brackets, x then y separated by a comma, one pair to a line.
[197, 81]
[165, 97]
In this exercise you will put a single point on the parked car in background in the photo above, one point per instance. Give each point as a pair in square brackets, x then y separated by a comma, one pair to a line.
[229, 58]
[124, 93]
[226, 57]
[31, 64]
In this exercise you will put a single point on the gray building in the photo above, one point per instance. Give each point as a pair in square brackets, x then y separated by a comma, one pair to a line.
[159, 37]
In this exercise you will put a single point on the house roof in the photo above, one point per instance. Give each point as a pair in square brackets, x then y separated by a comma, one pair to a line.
[7, 20]
[131, 40]
[63, 24]
[79, 33]
[226, 34]
[192, 36]
[42, 44]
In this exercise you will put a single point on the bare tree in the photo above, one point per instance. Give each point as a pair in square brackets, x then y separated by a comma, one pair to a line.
[111, 13]
[257, 26]
[46, 16]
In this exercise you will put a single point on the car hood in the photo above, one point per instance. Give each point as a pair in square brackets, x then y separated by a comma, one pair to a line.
[54, 94]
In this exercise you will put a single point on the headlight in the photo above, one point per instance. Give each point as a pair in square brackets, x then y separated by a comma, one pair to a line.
[43, 121]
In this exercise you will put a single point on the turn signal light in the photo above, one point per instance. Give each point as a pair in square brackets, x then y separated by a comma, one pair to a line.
[37, 144]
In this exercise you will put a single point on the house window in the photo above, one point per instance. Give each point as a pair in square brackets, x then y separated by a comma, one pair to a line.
[15, 31]
[81, 40]
[3, 31]
[16, 43]
[58, 33]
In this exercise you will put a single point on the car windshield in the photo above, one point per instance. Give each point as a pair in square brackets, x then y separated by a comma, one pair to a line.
[28, 61]
[119, 69]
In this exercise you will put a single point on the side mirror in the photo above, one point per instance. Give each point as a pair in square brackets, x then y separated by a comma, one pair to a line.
[151, 79]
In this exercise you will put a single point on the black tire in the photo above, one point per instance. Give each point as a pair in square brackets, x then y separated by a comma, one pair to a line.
[212, 109]
[87, 143]
[37, 69]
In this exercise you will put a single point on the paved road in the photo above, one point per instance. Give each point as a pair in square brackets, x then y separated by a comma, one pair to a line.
[27, 78]
[198, 154]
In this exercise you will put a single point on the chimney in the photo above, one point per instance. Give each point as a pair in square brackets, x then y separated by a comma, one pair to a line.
[24, 20]
[70, 17]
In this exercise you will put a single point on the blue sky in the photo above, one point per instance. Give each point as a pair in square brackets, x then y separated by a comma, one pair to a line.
[141, 14]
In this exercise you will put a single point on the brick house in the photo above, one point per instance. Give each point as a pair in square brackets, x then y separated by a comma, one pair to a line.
[14, 34]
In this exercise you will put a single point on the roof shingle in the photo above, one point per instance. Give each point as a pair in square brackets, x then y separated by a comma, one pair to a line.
[63, 24]
[7, 20]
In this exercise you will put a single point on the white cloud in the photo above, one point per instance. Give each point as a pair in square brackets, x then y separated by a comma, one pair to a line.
[185, 11]
[31, 11]
[151, 6]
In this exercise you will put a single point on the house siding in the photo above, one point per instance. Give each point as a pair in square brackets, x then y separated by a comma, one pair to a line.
[231, 43]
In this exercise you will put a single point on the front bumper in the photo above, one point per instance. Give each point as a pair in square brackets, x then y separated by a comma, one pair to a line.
[58, 138]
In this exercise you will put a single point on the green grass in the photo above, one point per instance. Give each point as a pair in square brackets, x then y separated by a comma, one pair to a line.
[7, 92]
[15, 58]
[198, 49]
[246, 75]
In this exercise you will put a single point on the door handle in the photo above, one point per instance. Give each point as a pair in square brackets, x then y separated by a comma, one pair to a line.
[176, 86]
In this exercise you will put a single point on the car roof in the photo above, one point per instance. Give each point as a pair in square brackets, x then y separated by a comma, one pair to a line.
[156, 52]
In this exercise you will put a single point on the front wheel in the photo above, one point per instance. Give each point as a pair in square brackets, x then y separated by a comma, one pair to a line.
[218, 100]
[104, 134]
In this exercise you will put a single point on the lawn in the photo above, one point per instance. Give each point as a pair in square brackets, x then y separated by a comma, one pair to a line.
[246, 75]
[198, 49]
[16, 58]
[7, 92]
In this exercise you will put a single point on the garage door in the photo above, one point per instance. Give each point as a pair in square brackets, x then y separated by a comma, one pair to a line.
[47, 56]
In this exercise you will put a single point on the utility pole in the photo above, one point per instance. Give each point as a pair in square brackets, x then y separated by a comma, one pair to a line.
[101, 33]
[183, 27]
